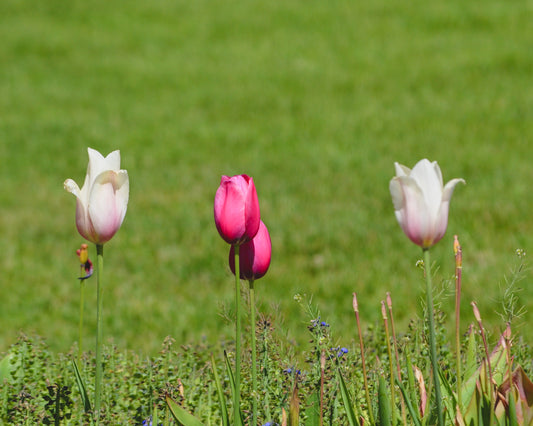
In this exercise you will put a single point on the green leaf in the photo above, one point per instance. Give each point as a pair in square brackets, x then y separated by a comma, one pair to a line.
[181, 415]
[449, 398]
[410, 377]
[513, 421]
[5, 368]
[220, 393]
[350, 412]
[294, 407]
[155, 418]
[312, 412]
[410, 408]
[81, 387]
[232, 381]
[385, 415]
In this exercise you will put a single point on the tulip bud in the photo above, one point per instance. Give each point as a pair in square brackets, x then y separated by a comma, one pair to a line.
[421, 203]
[254, 255]
[236, 209]
[102, 201]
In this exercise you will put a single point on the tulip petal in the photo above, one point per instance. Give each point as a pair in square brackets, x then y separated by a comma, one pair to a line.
[229, 212]
[254, 255]
[421, 203]
[402, 170]
[414, 217]
[252, 214]
[448, 189]
[108, 202]
[427, 176]
[72, 187]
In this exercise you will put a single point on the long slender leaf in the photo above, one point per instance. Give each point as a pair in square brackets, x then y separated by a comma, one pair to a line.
[410, 408]
[350, 412]
[81, 388]
[220, 393]
[181, 415]
[232, 381]
[385, 415]
[513, 421]
[312, 412]
[294, 407]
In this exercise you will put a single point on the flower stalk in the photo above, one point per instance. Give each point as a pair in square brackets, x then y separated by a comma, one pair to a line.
[254, 351]
[458, 275]
[99, 330]
[238, 326]
[82, 305]
[432, 337]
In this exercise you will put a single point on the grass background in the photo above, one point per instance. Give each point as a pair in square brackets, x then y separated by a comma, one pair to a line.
[316, 100]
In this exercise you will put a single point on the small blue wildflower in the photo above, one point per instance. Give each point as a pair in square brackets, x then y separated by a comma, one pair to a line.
[290, 371]
[147, 422]
[324, 324]
[342, 352]
[268, 424]
[315, 322]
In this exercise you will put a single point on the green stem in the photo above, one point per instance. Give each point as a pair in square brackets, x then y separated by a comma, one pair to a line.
[458, 272]
[254, 352]
[237, 394]
[82, 305]
[391, 367]
[362, 349]
[432, 338]
[99, 331]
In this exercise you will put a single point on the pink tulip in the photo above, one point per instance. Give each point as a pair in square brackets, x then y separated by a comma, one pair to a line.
[421, 203]
[237, 209]
[254, 255]
[102, 201]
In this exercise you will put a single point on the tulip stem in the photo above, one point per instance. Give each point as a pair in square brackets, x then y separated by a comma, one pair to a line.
[237, 393]
[432, 339]
[99, 332]
[254, 352]
[82, 305]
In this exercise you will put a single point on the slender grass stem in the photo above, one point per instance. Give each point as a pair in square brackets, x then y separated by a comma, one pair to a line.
[432, 337]
[391, 363]
[458, 277]
[488, 370]
[362, 349]
[396, 355]
[254, 352]
[238, 326]
[99, 331]
[82, 305]
[322, 373]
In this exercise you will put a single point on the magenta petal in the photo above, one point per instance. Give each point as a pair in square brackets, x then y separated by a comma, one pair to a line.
[254, 255]
[236, 209]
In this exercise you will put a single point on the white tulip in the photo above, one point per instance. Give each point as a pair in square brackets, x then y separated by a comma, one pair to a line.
[103, 199]
[421, 203]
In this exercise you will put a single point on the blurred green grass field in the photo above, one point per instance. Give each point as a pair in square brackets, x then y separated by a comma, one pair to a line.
[316, 100]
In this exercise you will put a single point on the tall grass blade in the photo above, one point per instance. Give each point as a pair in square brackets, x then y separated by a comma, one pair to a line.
[220, 393]
[312, 412]
[385, 415]
[410, 408]
[294, 407]
[81, 388]
[350, 412]
[181, 415]
[232, 383]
